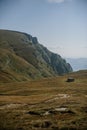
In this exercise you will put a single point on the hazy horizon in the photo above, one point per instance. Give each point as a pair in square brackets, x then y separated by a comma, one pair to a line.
[60, 25]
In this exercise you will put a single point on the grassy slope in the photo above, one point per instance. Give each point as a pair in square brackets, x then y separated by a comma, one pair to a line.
[14, 68]
[24, 59]
[18, 58]
[39, 97]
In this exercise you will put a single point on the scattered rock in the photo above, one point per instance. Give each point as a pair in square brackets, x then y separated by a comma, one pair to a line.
[46, 113]
[68, 112]
[61, 109]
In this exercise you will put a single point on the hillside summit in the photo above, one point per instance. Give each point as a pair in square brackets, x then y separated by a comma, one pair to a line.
[22, 58]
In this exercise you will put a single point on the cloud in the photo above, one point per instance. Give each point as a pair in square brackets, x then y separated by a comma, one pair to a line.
[57, 1]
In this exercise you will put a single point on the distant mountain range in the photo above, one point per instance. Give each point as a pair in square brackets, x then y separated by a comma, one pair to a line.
[23, 58]
[78, 64]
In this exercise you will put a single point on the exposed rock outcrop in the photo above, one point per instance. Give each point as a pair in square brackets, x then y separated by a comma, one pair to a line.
[24, 58]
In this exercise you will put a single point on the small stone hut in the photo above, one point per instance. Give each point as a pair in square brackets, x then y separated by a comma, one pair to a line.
[70, 79]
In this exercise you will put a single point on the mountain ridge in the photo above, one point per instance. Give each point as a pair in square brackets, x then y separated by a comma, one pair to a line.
[24, 58]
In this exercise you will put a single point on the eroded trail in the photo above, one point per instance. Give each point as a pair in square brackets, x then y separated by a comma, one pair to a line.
[16, 105]
[60, 99]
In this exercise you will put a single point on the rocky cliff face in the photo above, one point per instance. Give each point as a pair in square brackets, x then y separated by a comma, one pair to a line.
[23, 58]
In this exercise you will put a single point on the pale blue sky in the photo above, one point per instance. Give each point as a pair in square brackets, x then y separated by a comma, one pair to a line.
[60, 25]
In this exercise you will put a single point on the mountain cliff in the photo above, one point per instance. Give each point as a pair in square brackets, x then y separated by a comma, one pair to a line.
[23, 58]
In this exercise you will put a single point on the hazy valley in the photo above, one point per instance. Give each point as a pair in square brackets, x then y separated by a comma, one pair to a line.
[78, 63]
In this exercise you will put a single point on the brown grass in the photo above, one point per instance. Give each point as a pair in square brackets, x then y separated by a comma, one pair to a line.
[33, 105]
